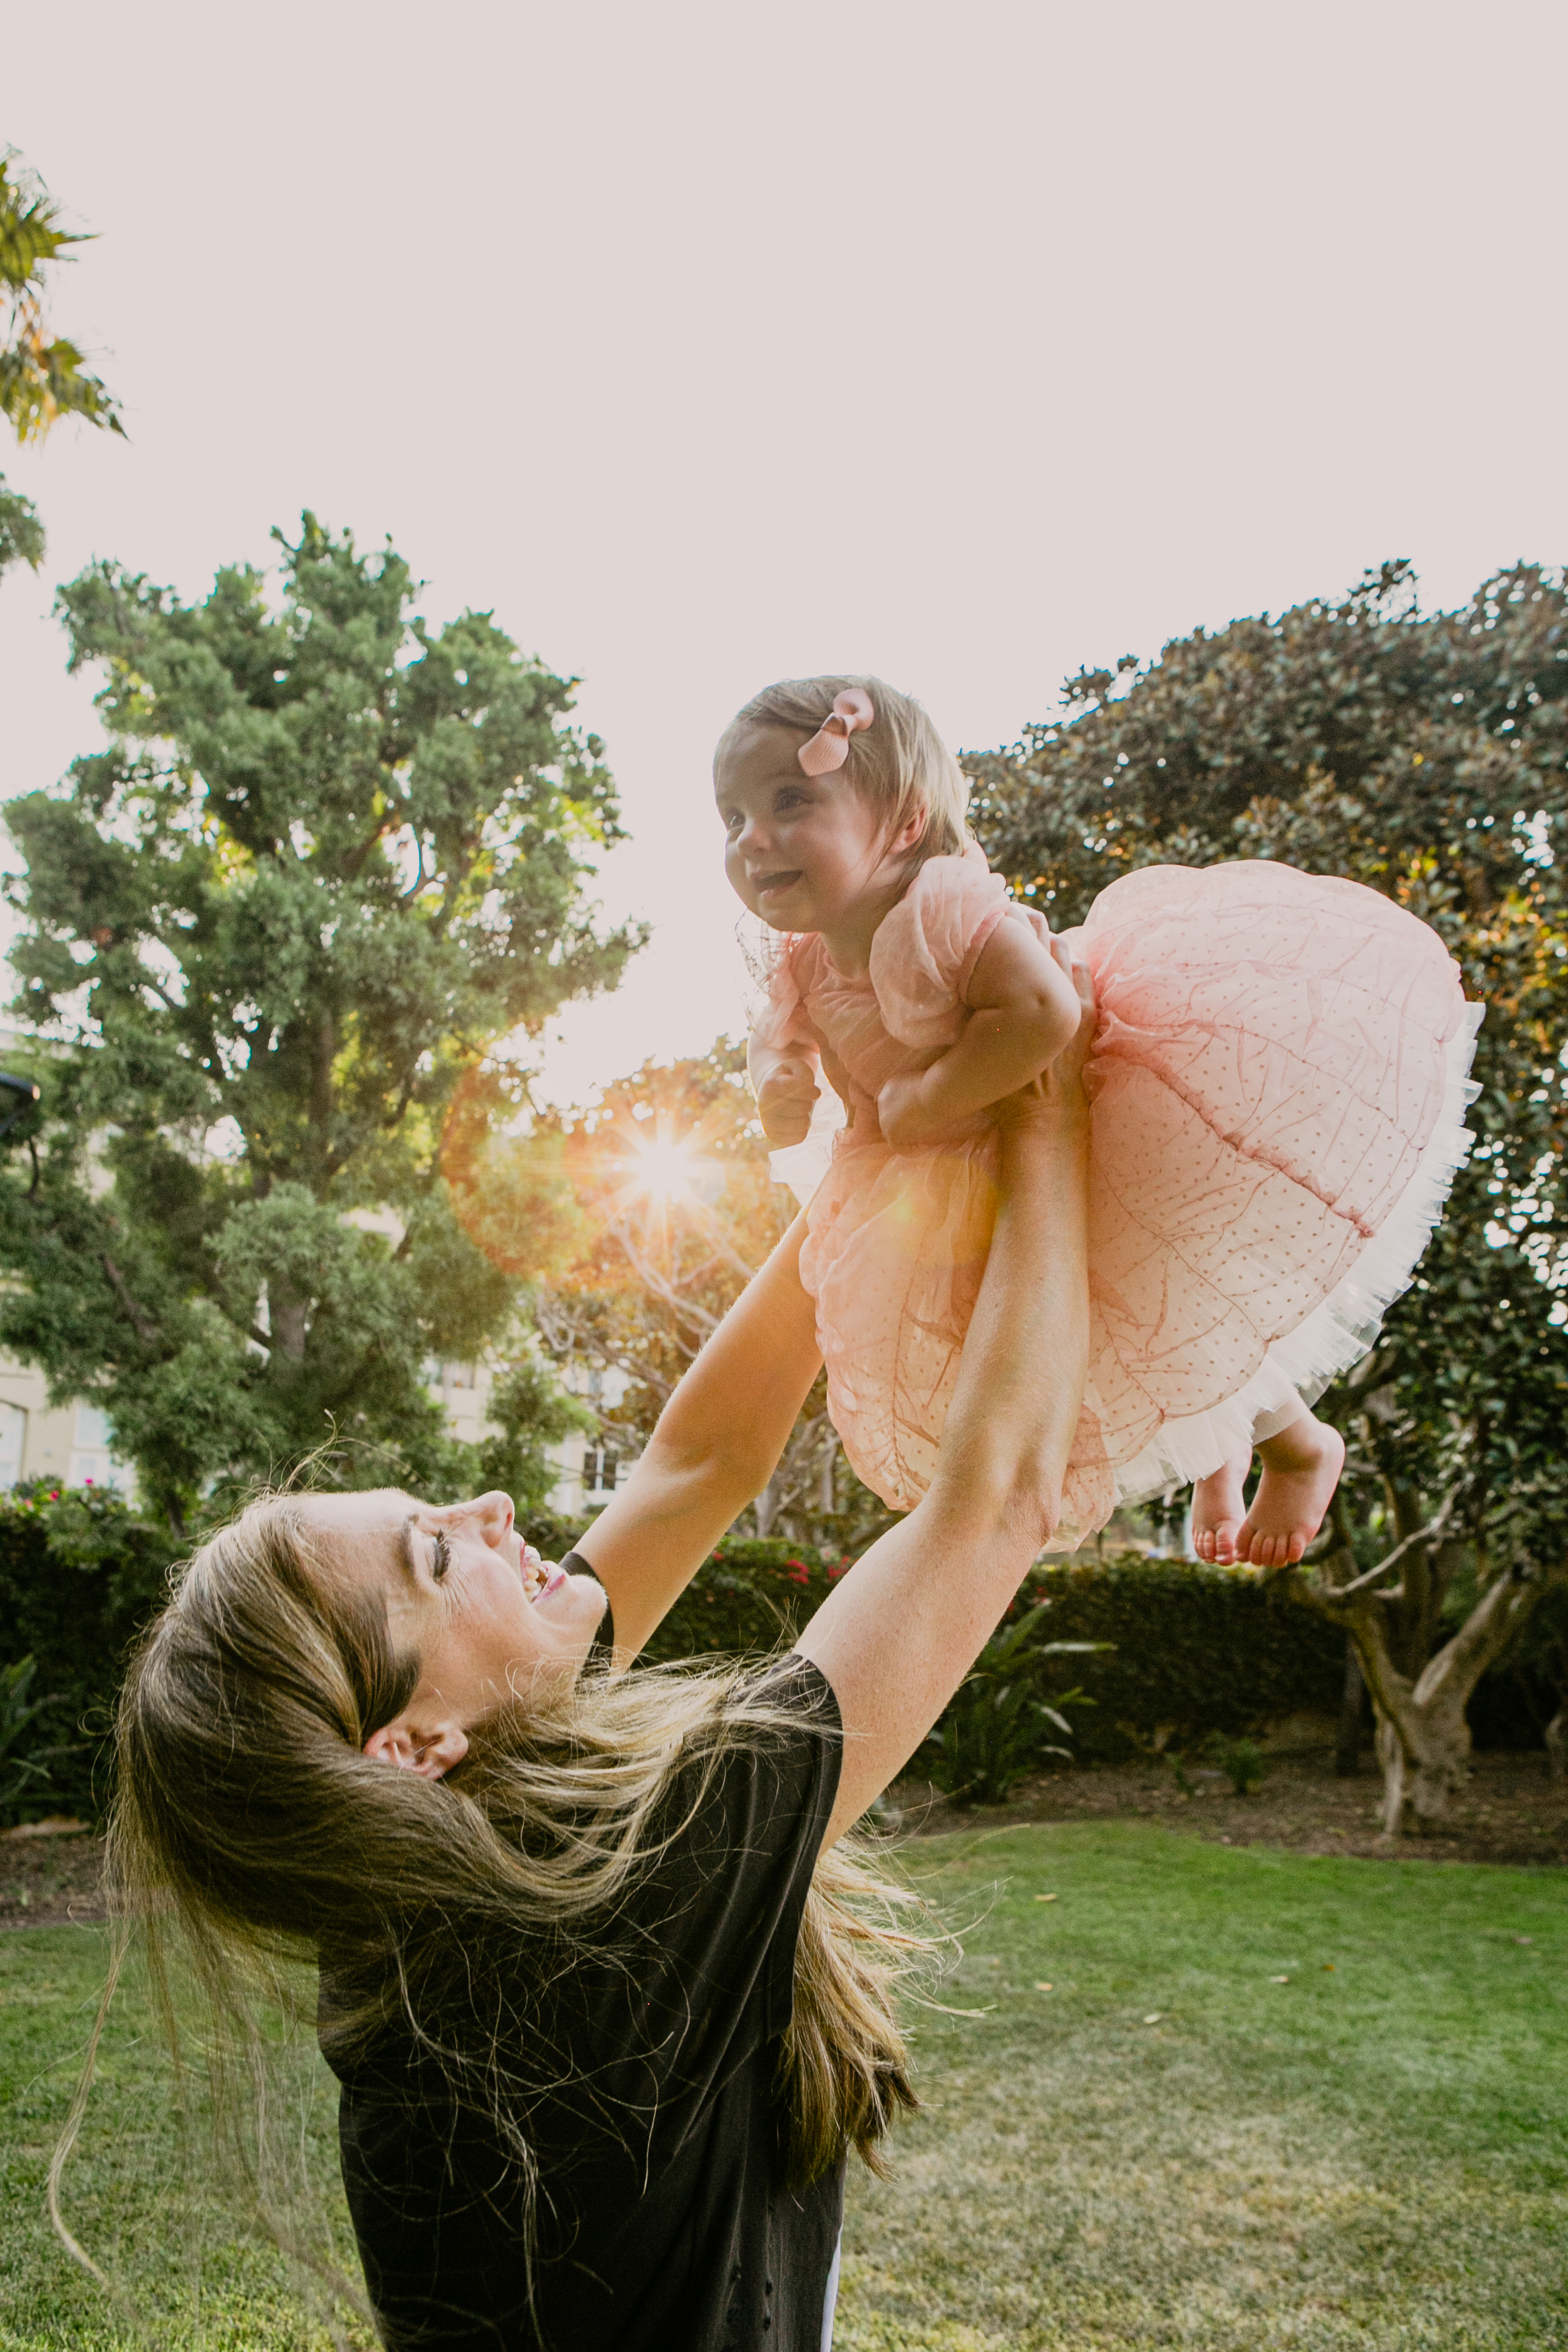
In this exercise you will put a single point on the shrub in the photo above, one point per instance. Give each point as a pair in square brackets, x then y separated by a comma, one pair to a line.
[1169, 1647]
[1195, 1651]
[1242, 1762]
[750, 1596]
[80, 1575]
[998, 1726]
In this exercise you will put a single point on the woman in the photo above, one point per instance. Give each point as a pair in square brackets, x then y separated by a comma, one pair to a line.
[608, 2008]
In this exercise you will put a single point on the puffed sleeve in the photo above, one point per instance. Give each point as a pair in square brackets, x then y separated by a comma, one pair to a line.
[925, 952]
[781, 1022]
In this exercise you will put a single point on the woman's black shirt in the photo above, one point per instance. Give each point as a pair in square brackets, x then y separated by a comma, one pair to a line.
[664, 2215]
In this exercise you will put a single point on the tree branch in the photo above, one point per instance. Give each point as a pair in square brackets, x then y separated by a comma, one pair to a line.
[1369, 1577]
[146, 1330]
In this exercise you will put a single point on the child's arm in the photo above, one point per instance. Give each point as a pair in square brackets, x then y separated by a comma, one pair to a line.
[1023, 1010]
[784, 1080]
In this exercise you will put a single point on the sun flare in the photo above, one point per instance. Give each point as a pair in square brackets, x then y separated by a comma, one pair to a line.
[662, 1170]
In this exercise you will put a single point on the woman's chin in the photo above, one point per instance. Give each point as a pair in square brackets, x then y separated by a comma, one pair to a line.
[574, 1609]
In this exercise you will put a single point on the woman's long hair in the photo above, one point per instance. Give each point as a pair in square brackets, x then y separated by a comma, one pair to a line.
[248, 1830]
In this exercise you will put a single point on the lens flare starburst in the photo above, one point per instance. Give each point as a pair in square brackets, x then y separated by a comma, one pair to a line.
[661, 1168]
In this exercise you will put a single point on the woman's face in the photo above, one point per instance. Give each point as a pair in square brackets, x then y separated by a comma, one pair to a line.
[486, 1616]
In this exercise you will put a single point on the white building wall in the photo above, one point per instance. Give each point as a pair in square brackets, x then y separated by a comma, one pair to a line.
[71, 1443]
[588, 1471]
[39, 1441]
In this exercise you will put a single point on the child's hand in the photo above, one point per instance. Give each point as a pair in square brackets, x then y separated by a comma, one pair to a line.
[900, 1115]
[784, 1100]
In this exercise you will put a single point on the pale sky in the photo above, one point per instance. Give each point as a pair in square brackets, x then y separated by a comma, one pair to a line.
[711, 343]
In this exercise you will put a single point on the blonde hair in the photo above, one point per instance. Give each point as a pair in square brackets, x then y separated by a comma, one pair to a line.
[900, 763]
[248, 1831]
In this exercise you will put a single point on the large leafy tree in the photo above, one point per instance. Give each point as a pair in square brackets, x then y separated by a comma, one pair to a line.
[42, 377]
[1426, 756]
[271, 938]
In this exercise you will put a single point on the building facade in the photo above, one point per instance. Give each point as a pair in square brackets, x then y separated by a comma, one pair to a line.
[71, 1444]
[588, 1468]
[68, 1443]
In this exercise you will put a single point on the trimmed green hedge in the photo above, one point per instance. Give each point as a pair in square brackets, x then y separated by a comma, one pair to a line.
[747, 1596]
[80, 1574]
[1197, 1650]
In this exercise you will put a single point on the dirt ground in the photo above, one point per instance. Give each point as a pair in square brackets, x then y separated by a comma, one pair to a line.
[47, 1881]
[1511, 1811]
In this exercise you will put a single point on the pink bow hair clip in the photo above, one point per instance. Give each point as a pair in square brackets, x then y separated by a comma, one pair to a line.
[829, 746]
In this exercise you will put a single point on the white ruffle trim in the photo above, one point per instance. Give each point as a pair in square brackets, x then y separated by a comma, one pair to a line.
[1339, 1333]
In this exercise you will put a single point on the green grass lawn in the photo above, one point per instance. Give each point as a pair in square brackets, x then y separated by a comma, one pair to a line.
[1372, 2154]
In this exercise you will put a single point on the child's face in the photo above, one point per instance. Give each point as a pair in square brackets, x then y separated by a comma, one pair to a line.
[803, 852]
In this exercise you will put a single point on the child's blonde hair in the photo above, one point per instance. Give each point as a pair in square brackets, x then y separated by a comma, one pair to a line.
[900, 763]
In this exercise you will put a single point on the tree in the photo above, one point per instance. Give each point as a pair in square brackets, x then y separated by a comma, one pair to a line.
[1426, 755]
[271, 938]
[670, 1173]
[41, 375]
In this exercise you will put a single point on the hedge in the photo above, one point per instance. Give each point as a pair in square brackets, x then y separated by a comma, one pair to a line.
[80, 1574]
[1197, 1649]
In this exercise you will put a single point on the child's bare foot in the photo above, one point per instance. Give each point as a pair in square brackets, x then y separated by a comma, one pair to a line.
[1219, 1510]
[1301, 1468]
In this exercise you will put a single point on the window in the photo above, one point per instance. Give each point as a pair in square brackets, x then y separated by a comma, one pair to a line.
[12, 1438]
[599, 1466]
[92, 1428]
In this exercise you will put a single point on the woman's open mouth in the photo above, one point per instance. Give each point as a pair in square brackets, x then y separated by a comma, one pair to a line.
[540, 1577]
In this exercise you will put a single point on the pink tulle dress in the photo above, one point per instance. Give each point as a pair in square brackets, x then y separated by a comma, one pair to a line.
[1278, 1083]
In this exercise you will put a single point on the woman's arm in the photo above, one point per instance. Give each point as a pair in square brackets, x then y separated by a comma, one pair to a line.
[1022, 1012]
[898, 1635]
[716, 1445]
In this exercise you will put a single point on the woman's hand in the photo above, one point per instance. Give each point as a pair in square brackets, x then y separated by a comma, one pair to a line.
[902, 1114]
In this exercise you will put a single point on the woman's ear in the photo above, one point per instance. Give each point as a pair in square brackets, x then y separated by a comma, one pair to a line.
[430, 1753]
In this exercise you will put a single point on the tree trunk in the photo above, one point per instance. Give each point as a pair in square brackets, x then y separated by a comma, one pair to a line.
[1352, 1705]
[288, 1314]
[765, 1509]
[1423, 1737]
[1557, 1744]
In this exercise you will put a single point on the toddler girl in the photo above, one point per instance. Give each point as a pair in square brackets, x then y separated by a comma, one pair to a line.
[1278, 1083]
